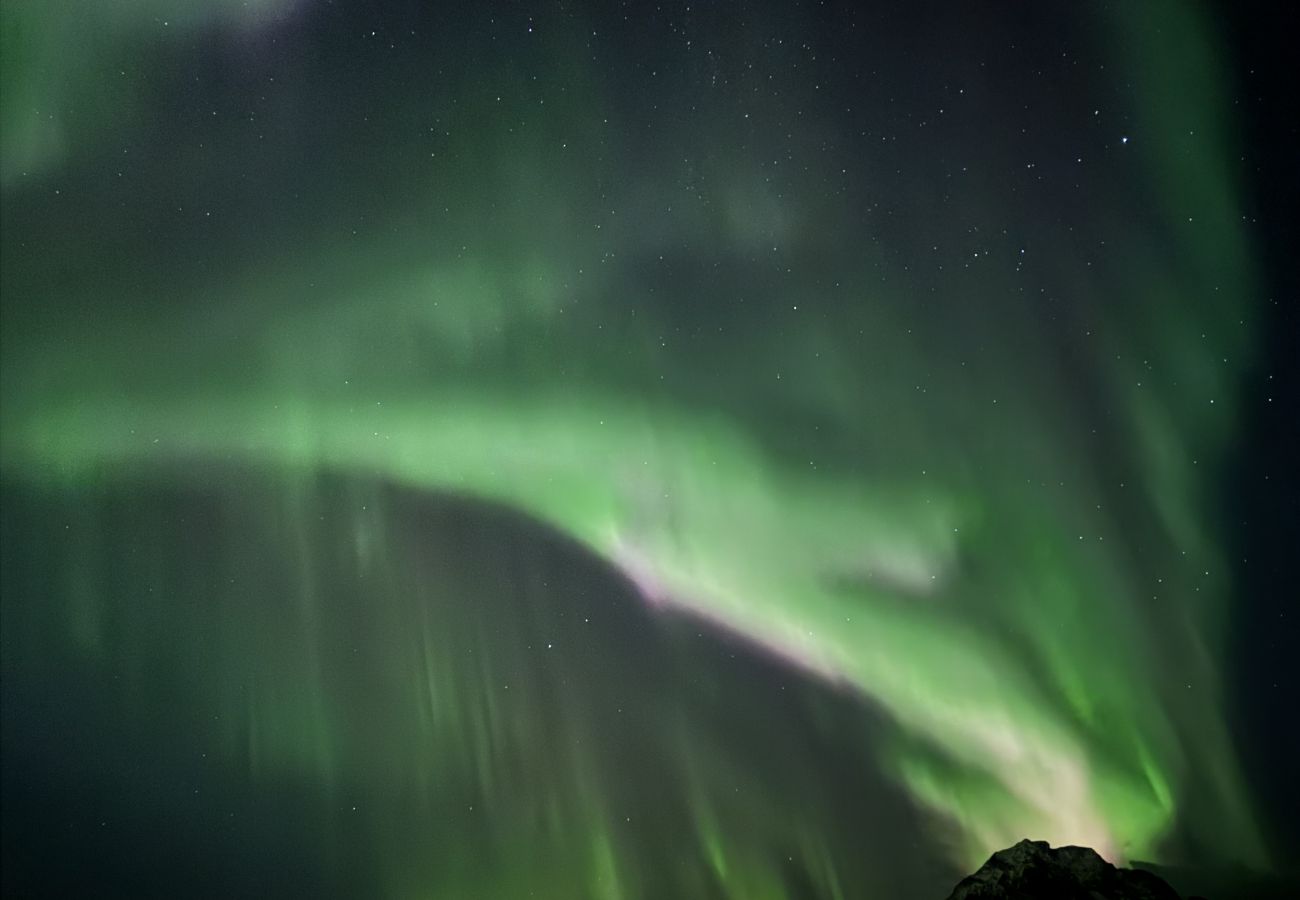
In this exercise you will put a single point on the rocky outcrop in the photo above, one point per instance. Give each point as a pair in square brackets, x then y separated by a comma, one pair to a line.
[1032, 870]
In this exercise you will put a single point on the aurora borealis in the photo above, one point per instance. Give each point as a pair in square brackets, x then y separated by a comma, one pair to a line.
[658, 451]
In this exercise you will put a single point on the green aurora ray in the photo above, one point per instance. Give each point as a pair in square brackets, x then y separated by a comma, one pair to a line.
[831, 473]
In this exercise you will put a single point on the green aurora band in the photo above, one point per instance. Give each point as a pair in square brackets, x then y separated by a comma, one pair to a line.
[828, 473]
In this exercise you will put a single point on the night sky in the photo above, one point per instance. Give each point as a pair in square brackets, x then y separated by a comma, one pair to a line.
[617, 451]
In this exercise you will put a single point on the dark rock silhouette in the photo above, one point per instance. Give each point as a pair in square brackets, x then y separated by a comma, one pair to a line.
[1032, 870]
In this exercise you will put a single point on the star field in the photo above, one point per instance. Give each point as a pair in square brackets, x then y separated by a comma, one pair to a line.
[619, 451]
